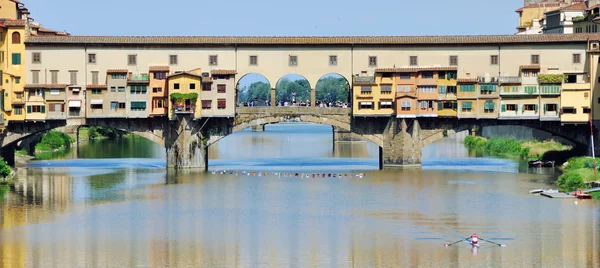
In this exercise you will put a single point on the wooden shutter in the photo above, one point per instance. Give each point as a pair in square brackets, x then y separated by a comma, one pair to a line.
[43, 109]
[28, 109]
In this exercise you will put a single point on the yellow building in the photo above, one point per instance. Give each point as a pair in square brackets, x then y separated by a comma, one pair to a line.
[373, 95]
[184, 89]
[575, 100]
[447, 93]
[529, 13]
[12, 59]
[467, 98]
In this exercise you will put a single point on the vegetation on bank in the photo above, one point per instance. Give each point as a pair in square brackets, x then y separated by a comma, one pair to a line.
[98, 133]
[53, 141]
[528, 150]
[577, 172]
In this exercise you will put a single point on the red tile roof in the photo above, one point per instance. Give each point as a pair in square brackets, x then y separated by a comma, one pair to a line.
[539, 5]
[9, 23]
[416, 69]
[222, 72]
[207, 80]
[530, 67]
[576, 6]
[96, 86]
[46, 86]
[112, 71]
[311, 40]
[182, 73]
[158, 68]
[467, 80]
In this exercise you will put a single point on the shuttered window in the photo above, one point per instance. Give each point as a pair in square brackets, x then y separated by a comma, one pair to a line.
[467, 88]
[138, 105]
[16, 59]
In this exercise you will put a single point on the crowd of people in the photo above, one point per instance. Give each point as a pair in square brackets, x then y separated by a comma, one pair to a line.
[320, 104]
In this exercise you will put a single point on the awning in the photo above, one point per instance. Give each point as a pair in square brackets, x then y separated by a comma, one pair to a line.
[74, 103]
[366, 103]
[386, 103]
[75, 89]
[96, 102]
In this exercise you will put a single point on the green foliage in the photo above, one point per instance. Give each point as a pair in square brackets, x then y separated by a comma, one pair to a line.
[286, 88]
[551, 78]
[256, 91]
[54, 140]
[530, 150]
[570, 181]
[579, 163]
[21, 152]
[579, 18]
[97, 132]
[332, 89]
[474, 142]
[5, 169]
[181, 97]
[4, 189]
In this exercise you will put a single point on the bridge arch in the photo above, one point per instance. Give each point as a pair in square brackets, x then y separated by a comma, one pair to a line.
[293, 88]
[332, 88]
[253, 88]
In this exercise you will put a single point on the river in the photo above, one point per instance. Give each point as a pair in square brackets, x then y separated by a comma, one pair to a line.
[112, 204]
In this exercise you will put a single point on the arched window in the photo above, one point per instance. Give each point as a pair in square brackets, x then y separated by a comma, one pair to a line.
[16, 38]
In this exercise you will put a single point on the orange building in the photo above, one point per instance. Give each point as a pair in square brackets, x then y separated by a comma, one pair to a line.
[158, 93]
[427, 95]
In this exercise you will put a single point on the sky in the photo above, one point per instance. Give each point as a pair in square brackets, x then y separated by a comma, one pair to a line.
[276, 18]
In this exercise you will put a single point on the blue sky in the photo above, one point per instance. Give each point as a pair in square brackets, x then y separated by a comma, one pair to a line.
[277, 17]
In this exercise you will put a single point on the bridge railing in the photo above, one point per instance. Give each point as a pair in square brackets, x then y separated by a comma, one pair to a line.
[293, 110]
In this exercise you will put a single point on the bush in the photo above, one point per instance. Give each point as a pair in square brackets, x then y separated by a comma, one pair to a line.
[5, 169]
[474, 142]
[570, 181]
[579, 163]
[54, 140]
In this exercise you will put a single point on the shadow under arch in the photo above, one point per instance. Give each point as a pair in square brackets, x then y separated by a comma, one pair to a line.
[253, 89]
[332, 88]
[293, 89]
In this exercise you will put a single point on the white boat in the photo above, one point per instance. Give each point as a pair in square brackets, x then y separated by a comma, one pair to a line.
[539, 191]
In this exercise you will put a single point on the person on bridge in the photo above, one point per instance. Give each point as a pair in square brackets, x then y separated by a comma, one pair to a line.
[474, 238]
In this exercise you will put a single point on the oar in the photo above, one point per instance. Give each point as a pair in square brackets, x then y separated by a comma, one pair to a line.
[500, 245]
[447, 245]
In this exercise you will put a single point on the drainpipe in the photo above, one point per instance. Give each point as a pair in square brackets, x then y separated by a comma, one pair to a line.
[351, 86]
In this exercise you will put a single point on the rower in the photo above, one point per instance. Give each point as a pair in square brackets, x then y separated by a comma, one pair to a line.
[474, 238]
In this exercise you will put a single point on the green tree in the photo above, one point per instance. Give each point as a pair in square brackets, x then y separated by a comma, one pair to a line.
[5, 169]
[256, 91]
[287, 90]
[332, 89]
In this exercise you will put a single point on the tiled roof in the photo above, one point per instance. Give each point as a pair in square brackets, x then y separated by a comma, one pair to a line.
[576, 6]
[223, 72]
[95, 86]
[207, 80]
[14, 23]
[539, 5]
[109, 71]
[42, 29]
[181, 73]
[308, 40]
[530, 67]
[46, 86]
[467, 80]
[159, 68]
[415, 69]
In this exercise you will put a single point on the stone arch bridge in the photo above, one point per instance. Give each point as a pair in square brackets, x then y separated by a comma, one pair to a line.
[186, 139]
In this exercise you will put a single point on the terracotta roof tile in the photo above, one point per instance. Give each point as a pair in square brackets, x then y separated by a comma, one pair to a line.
[181, 73]
[158, 68]
[416, 69]
[46, 86]
[467, 80]
[576, 6]
[95, 86]
[207, 80]
[112, 71]
[311, 40]
[222, 72]
[14, 23]
[530, 67]
[538, 5]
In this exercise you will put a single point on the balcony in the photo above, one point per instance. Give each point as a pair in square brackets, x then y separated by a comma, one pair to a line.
[139, 78]
[18, 101]
[427, 82]
[184, 109]
[509, 80]
[364, 79]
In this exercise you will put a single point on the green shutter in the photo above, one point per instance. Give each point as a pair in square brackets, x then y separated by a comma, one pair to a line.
[43, 108]
[455, 105]
[536, 108]
[440, 105]
[16, 58]
[504, 107]
[28, 109]
[144, 89]
[442, 89]
[545, 108]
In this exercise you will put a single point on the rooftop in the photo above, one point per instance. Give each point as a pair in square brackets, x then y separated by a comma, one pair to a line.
[311, 40]
[538, 5]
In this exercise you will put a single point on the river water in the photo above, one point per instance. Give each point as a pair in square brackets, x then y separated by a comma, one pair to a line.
[112, 204]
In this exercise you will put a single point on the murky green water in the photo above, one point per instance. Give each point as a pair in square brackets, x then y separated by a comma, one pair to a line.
[116, 206]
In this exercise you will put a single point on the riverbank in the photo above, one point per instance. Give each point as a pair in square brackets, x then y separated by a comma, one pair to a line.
[576, 173]
[527, 150]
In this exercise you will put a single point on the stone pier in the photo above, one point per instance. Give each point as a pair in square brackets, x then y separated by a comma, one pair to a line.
[401, 145]
[259, 128]
[184, 144]
[8, 154]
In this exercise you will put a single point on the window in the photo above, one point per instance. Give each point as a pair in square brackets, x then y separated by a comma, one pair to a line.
[113, 89]
[413, 61]
[426, 104]
[551, 89]
[467, 106]
[73, 76]
[487, 89]
[16, 59]
[365, 105]
[17, 80]
[138, 89]
[427, 75]
[160, 75]
[404, 76]
[551, 108]
[94, 106]
[176, 86]
[535, 59]
[54, 77]
[121, 105]
[494, 59]
[530, 108]
[94, 77]
[427, 89]
[192, 86]
[118, 76]
[18, 110]
[36, 92]
[54, 92]
[121, 89]
[213, 60]
[137, 105]
[206, 104]
[221, 104]
[386, 89]
[293, 60]
[467, 88]
[131, 59]
[36, 57]
[18, 95]
[332, 60]
[113, 105]
[156, 89]
[221, 88]
[36, 109]
[451, 75]
[96, 91]
[489, 107]
[447, 105]
[92, 58]
[1, 56]
[453, 60]
[405, 105]
[530, 89]
[253, 60]
[173, 59]
[576, 58]
[587, 110]
[372, 61]
[441, 89]
[159, 103]
[206, 87]
[385, 105]
[569, 110]
[16, 38]
[365, 89]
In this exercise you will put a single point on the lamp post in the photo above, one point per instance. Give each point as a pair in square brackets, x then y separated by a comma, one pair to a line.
[293, 96]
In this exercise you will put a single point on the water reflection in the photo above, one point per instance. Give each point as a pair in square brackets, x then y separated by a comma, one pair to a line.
[132, 212]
